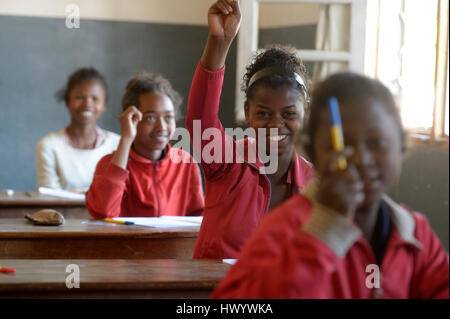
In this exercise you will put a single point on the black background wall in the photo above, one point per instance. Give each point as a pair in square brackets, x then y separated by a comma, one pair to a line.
[38, 54]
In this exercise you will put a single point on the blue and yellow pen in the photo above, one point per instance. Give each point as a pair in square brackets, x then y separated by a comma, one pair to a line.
[109, 220]
[337, 137]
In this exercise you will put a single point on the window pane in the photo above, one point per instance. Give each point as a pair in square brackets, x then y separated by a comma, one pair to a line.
[390, 42]
[317, 71]
[306, 26]
[407, 57]
[419, 62]
[288, 24]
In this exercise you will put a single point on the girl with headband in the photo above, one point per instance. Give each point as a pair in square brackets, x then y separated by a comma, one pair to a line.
[238, 193]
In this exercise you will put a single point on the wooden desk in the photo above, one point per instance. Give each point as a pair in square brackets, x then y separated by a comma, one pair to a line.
[84, 239]
[156, 278]
[22, 203]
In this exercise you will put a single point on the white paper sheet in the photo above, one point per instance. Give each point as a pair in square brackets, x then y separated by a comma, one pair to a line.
[61, 193]
[158, 222]
[190, 219]
[229, 261]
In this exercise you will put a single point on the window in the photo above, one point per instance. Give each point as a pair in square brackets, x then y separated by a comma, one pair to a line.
[329, 54]
[403, 43]
[412, 60]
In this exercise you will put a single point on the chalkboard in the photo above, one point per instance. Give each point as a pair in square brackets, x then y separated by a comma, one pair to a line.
[38, 54]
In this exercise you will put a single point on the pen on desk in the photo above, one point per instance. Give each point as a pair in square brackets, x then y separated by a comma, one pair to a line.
[337, 137]
[7, 270]
[109, 220]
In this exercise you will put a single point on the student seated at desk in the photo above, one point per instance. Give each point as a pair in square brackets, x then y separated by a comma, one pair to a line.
[343, 237]
[67, 159]
[238, 194]
[146, 177]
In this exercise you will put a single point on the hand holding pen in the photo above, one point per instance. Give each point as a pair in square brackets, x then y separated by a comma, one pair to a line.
[341, 188]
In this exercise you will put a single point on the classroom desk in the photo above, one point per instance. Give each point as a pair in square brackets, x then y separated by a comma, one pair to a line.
[22, 203]
[84, 239]
[153, 278]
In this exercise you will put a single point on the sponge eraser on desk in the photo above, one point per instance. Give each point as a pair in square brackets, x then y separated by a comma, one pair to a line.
[48, 217]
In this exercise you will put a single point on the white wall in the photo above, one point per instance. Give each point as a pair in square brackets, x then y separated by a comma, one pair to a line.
[285, 15]
[188, 12]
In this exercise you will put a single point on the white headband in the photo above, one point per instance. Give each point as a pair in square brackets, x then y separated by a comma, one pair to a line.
[275, 70]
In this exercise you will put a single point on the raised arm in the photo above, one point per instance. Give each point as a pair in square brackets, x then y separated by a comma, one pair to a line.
[108, 187]
[224, 19]
[128, 124]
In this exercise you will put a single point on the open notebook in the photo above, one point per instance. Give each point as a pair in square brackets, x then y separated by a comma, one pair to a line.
[165, 221]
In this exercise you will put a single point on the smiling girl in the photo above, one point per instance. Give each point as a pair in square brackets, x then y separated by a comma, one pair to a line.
[238, 196]
[140, 179]
[67, 159]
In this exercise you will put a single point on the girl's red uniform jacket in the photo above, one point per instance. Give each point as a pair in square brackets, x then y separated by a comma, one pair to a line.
[300, 252]
[146, 188]
[237, 195]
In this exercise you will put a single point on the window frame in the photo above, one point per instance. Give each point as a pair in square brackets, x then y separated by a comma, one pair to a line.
[436, 136]
[247, 42]
[362, 56]
[441, 76]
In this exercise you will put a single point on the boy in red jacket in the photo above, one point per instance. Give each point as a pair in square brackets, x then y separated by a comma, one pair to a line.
[141, 179]
[343, 237]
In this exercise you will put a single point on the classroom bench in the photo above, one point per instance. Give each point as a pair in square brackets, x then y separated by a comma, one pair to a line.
[22, 203]
[153, 278]
[88, 239]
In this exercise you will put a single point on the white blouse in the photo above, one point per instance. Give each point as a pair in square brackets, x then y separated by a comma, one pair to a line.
[61, 166]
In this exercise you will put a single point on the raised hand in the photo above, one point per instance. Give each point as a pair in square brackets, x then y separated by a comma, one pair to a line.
[128, 123]
[224, 19]
[129, 120]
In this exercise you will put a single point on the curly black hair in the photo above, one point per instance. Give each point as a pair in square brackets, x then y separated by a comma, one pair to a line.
[145, 82]
[79, 76]
[283, 58]
[347, 87]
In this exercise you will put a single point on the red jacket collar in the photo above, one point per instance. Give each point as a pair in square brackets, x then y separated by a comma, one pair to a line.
[141, 159]
[404, 223]
[297, 171]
